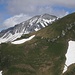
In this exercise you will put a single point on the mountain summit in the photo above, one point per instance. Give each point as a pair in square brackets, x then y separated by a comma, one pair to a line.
[31, 25]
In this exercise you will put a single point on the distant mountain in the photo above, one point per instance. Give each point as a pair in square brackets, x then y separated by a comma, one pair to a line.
[42, 52]
[31, 25]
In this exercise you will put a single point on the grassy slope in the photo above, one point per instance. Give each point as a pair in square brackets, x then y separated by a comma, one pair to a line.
[37, 56]
[41, 55]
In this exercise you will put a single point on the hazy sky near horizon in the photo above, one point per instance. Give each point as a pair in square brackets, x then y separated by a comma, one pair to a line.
[15, 11]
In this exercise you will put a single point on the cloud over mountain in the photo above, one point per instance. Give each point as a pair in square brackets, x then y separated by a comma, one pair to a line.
[15, 20]
[34, 7]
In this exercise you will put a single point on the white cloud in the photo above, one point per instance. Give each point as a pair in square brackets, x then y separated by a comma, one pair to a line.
[34, 7]
[70, 3]
[15, 20]
[61, 13]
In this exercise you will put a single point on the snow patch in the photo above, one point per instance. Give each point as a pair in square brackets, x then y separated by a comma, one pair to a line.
[39, 20]
[42, 24]
[23, 40]
[32, 21]
[10, 37]
[49, 21]
[36, 29]
[70, 55]
[0, 72]
[45, 23]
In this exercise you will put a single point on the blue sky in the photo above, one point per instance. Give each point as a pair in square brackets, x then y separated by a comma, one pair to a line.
[16, 11]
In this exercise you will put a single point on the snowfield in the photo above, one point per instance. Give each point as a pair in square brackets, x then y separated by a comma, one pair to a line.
[0, 72]
[10, 37]
[70, 55]
[23, 40]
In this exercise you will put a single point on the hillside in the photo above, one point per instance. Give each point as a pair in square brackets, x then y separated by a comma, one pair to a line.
[42, 55]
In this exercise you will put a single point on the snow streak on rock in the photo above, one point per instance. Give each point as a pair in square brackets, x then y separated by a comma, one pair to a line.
[10, 37]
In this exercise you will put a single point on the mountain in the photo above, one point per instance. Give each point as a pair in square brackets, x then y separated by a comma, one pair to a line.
[40, 53]
[31, 25]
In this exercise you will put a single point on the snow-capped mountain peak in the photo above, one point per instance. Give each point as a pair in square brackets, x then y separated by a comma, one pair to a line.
[31, 25]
